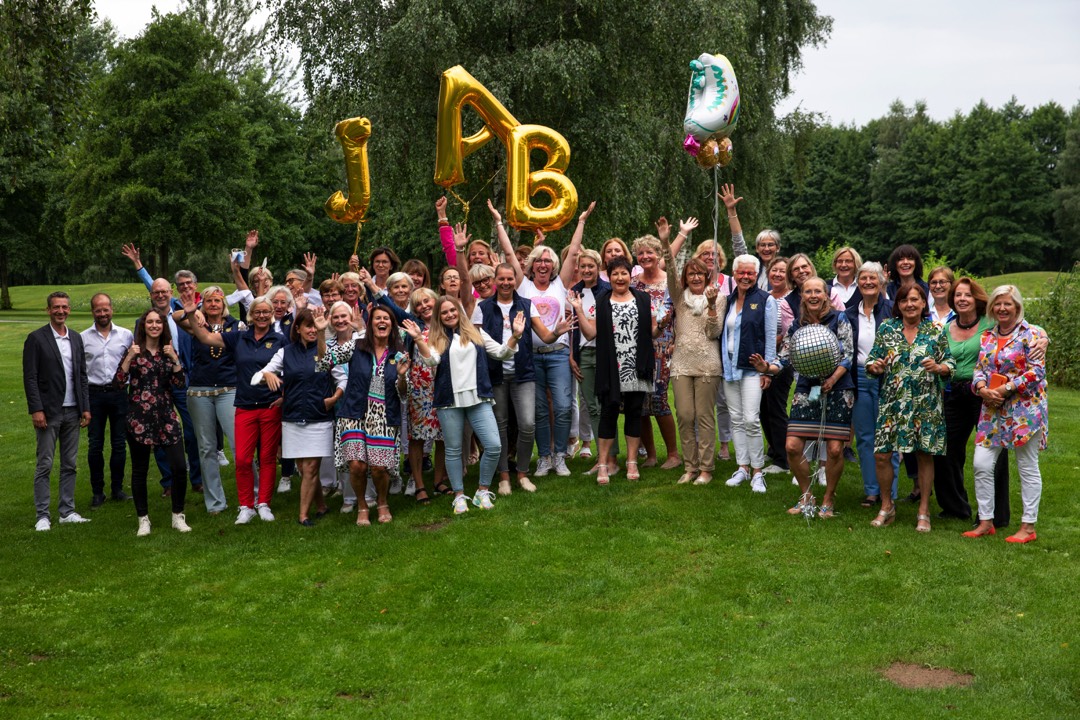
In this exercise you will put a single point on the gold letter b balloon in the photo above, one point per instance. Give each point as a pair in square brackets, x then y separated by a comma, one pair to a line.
[353, 134]
[521, 184]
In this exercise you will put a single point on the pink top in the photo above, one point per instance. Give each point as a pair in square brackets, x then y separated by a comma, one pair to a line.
[446, 237]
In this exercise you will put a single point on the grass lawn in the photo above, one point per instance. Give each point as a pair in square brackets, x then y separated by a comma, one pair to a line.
[1032, 284]
[638, 600]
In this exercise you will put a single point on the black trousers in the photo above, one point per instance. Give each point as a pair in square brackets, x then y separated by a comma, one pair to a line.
[961, 411]
[774, 416]
[632, 403]
[140, 464]
[107, 406]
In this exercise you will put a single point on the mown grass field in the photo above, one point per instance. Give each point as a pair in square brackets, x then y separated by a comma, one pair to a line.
[1031, 284]
[638, 600]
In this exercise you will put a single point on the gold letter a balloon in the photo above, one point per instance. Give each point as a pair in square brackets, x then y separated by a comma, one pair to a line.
[353, 134]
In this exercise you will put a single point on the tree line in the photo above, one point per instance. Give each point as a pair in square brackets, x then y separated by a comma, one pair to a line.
[181, 139]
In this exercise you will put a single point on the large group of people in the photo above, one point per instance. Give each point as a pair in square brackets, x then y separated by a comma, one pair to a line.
[335, 384]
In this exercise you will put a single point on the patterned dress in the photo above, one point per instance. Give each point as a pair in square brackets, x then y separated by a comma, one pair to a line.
[371, 440]
[806, 420]
[423, 421]
[910, 411]
[624, 319]
[151, 419]
[1025, 413]
[656, 402]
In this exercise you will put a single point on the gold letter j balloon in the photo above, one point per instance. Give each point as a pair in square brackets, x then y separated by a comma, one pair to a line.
[353, 134]
[521, 184]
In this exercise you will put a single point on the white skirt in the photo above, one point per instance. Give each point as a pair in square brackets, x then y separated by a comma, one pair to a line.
[307, 440]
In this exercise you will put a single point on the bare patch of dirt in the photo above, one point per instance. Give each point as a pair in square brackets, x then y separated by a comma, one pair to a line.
[432, 527]
[38, 657]
[918, 677]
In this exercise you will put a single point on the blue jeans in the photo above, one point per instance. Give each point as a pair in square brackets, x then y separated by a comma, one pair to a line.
[864, 417]
[482, 418]
[552, 373]
[206, 414]
[191, 445]
[107, 407]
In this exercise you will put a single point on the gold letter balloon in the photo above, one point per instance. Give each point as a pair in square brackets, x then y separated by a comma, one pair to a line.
[458, 89]
[712, 110]
[353, 134]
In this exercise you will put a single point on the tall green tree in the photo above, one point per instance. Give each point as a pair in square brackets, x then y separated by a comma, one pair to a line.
[611, 77]
[1067, 195]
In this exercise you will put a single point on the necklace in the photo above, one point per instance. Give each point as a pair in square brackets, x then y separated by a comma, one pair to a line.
[1002, 333]
[966, 326]
[215, 352]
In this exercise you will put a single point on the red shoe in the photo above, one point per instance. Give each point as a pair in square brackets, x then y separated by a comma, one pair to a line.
[1020, 540]
[977, 534]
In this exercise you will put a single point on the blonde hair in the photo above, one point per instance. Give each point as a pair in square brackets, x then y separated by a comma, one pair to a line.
[591, 255]
[420, 293]
[261, 300]
[215, 290]
[826, 306]
[1014, 293]
[537, 252]
[481, 271]
[721, 257]
[490, 252]
[650, 242]
[439, 339]
[854, 255]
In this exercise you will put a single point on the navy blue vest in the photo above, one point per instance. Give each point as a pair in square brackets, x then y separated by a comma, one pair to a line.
[305, 387]
[751, 327]
[444, 387]
[846, 381]
[493, 326]
[354, 404]
[208, 370]
[251, 356]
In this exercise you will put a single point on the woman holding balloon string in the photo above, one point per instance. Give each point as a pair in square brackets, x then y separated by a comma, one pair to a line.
[820, 407]
[913, 355]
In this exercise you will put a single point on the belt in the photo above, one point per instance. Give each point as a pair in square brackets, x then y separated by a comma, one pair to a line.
[545, 349]
[105, 388]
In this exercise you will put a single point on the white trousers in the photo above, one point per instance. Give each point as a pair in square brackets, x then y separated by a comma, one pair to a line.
[744, 405]
[1027, 462]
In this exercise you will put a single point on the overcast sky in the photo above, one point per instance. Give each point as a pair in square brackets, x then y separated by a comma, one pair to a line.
[950, 53]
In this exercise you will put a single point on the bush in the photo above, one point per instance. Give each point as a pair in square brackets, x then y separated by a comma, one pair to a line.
[1059, 313]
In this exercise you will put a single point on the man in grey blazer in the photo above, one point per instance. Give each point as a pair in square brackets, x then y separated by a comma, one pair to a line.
[54, 377]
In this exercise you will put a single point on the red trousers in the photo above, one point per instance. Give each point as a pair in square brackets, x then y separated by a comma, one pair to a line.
[257, 428]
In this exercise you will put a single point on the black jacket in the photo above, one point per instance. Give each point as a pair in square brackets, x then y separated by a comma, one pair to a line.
[43, 373]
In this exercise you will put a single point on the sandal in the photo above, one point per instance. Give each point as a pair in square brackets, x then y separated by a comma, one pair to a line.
[870, 501]
[602, 475]
[322, 513]
[384, 514]
[362, 517]
[800, 508]
[919, 520]
[635, 475]
[671, 463]
[441, 488]
[825, 512]
[884, 517]
[421, 496]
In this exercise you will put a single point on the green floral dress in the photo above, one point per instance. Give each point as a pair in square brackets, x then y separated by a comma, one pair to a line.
[910, 412]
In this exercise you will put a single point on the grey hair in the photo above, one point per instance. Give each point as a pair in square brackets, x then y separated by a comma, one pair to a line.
[300, 274]
[1013, 292]
[872, 267]
[770, 234]
[185, 274]
[261, 300]
[746, 260]
[277, 290]
[399, 277]
[537, 252]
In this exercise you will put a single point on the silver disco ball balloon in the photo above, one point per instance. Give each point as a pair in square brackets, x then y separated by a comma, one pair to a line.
[815, 352]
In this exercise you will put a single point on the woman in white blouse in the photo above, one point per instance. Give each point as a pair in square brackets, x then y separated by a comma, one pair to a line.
[456, 348]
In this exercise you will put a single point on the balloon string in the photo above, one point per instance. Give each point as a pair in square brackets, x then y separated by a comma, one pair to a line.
[465, 203]
[716, 220]
[359, 225]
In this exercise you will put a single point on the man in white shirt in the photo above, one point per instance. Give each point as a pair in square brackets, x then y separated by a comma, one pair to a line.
[105, 345]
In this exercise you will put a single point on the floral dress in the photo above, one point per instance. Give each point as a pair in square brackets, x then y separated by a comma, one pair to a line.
[423, 421]
[151, 419]
[656, 403]
[910, 411]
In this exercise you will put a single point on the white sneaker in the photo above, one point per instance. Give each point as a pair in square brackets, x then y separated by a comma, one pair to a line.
[461, 505]
[573, 448]
[221, 459]
[395, 486]
[560, 466]
[543, 466]
[774, 470]
[821, 477]
[73, 517]
[586, 452]
[348, 507]
[504, 487]
[179, 522]
[738, 478]
[757, 484]
[284, 484]
[642, 452]
[43, 525]
[526, 484]
[144, 526]
[264, 512]
[246, 515]
[410, 488]
[484, 499]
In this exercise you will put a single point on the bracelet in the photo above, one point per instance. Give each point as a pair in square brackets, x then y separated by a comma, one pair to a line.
[501, 223]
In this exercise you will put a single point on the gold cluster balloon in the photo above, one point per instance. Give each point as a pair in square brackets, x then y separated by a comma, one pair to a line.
[459, 89]
[353, 135]
[713, 152]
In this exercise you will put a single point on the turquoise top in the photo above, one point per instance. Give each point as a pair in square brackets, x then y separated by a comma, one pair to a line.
[966, 353]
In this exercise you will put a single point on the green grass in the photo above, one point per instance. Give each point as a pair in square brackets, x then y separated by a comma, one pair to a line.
[637, 600]
[1031, 284]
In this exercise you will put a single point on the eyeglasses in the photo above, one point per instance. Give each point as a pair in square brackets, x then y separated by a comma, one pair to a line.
[261, 313]
[484, 281]
[161, 292]
[940, 282]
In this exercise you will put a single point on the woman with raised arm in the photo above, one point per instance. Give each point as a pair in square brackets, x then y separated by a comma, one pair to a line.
[307, 433]
[369, 414]
[551, 362]
[913, 356]
[653, 282]
[625, 362]
[1010, 377]
[212, 391]
[696, 371]
[150, 368]
[424, 427]
[458, 351]
[257, 418]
